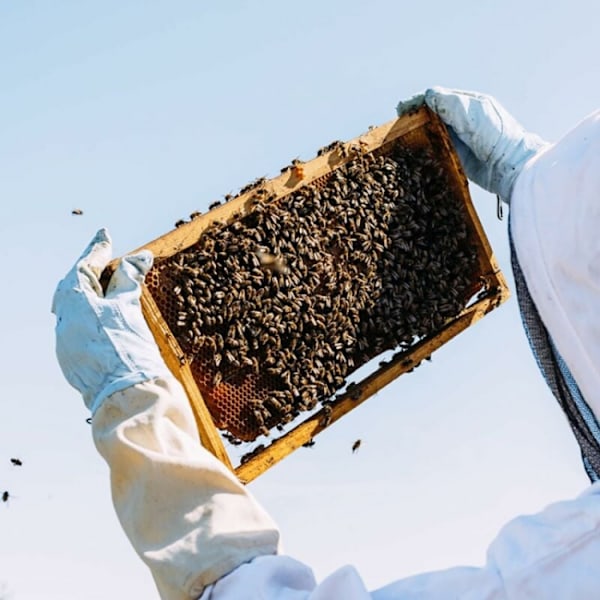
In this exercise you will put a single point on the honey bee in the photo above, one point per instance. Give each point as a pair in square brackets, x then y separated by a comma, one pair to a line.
[336, 144]
[231, 438]
[271, 262]
[253, 184]
[252, 453]
[325, 422]
[355, 394]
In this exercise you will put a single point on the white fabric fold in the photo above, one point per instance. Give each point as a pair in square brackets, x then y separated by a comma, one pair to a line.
[552, 554]
[185, 513]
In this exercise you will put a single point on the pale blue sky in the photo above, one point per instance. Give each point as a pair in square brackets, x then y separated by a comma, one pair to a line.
[141, 112]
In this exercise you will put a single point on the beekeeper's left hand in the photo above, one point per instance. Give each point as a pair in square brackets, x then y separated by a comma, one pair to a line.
[492, 145]
[103, 343]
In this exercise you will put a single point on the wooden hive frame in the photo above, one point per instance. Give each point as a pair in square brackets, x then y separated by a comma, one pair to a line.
[417, 129]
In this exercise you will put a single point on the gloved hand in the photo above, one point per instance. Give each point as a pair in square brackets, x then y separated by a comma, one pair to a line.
[492, 146]
[103, 343]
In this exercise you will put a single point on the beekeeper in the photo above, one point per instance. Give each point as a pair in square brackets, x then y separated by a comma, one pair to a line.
[201, 532]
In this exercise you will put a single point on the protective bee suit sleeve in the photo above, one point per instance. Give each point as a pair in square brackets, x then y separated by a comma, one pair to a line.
[184, 512]
[186, 515]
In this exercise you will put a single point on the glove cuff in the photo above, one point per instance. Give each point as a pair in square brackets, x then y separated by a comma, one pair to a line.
[508, 162]
[122, 383]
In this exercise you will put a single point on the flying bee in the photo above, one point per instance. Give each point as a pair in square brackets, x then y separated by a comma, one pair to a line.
[76, 211]
[5, 496]
[17, 462]
[356, 446]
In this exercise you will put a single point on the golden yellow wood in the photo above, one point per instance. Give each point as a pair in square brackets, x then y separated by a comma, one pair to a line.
[177, 363]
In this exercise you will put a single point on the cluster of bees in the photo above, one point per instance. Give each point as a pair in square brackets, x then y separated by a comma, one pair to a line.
[308, 287]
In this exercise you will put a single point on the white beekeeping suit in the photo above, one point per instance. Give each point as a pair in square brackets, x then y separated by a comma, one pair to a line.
[200, 531]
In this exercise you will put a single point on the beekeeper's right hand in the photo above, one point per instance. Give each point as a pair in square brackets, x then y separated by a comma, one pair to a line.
[492, 146]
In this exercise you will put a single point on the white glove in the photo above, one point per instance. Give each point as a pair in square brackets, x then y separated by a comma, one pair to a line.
[103, 343]
[492, 146]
